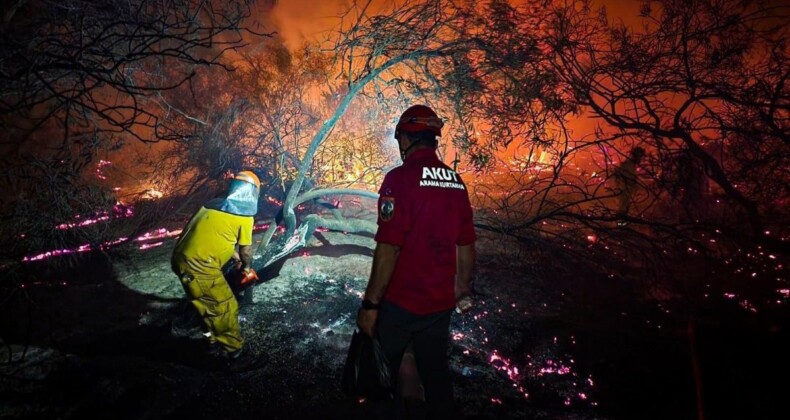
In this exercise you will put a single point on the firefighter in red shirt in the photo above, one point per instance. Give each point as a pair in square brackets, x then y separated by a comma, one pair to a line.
[422, 265]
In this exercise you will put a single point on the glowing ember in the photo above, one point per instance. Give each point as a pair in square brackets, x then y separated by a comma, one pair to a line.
[258, 227]
[748, 306]
[274, 201]
[100, 169]
[152, 194]
[553, 368]
[86, 222]
[118, 211]
[505, 365]
[81, 248]
[57, 253]
[158, 234]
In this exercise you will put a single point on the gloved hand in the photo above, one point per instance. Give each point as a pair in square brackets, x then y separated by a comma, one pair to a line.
[464, 304]
[249, 276]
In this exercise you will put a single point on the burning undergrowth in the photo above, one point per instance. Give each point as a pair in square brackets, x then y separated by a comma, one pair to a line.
[541, 342]
[111, 347]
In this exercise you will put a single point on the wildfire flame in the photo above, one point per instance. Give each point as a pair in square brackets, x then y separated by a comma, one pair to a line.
[118, 211]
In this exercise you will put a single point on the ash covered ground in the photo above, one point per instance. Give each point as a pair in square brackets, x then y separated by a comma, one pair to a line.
[546, 340]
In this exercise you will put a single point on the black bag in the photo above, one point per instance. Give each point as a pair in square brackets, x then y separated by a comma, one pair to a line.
[366, 374]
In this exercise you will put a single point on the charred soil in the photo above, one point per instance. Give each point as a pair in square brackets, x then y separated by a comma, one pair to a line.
[545, 340]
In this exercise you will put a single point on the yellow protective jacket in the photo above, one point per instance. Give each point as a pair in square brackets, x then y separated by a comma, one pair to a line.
[209, 240]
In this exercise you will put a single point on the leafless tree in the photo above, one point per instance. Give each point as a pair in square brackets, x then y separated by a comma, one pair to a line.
[81, 78]
[479, 64]
[702, 86]
[685, 87]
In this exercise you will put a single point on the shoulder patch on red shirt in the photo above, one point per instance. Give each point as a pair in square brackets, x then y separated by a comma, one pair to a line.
[387, 208]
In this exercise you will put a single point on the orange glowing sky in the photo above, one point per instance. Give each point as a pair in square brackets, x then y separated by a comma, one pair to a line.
[300, 22]
[307, 21]
[297, 21]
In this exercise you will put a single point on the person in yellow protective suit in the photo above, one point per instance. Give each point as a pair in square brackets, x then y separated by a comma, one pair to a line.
[207, 243]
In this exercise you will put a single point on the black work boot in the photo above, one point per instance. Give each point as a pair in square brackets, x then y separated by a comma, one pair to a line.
[234, 355]
[243, 360]
[213, 357]
[214, 349]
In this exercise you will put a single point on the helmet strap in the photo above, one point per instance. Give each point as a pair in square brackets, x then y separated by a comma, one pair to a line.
[403, 152]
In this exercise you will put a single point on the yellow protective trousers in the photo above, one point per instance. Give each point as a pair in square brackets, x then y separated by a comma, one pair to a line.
[211, 295]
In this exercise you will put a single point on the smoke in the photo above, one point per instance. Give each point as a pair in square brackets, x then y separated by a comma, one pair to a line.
[305, 21]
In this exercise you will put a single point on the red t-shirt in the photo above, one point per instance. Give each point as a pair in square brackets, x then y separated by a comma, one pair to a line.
[424, 209]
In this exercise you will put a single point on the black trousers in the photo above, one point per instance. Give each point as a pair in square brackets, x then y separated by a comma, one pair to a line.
[429, 336]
